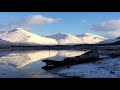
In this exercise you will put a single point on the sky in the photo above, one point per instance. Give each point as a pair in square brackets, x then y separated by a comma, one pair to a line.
[102, 23]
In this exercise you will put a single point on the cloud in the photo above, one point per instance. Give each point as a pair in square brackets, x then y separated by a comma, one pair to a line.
[30, 21]
[33, 20]
[113, 34]
[111, 28]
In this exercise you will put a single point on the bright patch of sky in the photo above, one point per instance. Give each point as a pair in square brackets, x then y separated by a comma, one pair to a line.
[101, 23]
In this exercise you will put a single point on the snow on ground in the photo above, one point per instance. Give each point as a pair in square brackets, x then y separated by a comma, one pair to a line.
[107, 68]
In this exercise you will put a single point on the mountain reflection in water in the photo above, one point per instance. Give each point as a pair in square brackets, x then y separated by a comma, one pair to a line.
[30, 60]
[21, 58]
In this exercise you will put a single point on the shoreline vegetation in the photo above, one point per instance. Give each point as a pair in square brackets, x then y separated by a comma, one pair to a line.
[63, 47]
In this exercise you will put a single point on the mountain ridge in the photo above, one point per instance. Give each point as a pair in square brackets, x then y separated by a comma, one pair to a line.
[86, 38]
[19, 36]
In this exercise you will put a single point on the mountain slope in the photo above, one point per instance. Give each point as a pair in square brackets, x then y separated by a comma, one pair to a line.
[22, 37]
[109, 41]
[87, 38]
[64, 38]
[5, 43]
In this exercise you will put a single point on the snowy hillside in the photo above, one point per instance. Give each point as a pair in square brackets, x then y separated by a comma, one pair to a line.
[19, 36]
[87, 38]
[22, 37]
[64, 38]
[4, 43]
[110, 41]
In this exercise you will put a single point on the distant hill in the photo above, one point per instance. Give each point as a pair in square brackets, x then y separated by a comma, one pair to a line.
[19, 36]
[86, 38]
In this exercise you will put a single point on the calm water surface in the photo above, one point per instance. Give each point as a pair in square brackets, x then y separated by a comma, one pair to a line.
[30, 60]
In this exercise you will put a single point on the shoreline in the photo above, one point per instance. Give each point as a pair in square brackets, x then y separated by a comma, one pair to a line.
[62, 47]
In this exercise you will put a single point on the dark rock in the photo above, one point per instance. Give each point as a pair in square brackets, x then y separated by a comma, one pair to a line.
[4, 73]
[112, 72]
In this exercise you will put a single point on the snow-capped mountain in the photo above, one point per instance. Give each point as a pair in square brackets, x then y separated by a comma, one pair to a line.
[108, 41]
[59, 36]
[64, 38]
[87, 38]
[22, 37]
[19, 36]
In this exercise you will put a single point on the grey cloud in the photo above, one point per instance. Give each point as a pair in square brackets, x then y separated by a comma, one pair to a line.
[111, 28]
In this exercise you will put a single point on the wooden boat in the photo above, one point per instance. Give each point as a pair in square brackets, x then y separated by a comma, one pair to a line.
[90, 56]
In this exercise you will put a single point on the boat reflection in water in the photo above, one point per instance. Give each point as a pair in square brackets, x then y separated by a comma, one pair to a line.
[89, 56]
